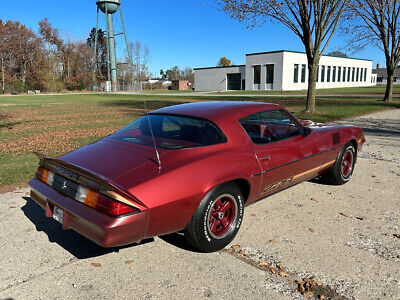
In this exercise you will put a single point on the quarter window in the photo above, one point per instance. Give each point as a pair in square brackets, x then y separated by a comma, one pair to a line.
[269, 126]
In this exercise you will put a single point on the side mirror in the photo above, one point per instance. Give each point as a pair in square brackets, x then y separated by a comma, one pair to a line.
[306, 131]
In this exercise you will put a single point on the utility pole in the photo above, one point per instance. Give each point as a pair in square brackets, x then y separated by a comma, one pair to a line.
[2, 72]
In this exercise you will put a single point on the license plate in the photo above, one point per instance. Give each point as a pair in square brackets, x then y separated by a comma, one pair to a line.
[58, 214]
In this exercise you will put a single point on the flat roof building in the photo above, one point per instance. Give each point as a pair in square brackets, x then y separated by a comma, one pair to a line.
[284, 70]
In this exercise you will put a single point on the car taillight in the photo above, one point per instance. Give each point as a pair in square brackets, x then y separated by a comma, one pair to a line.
[91, 198]
[45, 175]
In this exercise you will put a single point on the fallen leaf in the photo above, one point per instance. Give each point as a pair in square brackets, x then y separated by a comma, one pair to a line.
[263, 263]
[229, 251]
[310, 229]
[269, 279]
[273, 270]
[280, 267]
[313, 199]
[271, 241]
[12, 207]
[235, 246]
[253, 215]
[319, 283]
[96, 265]
[329, 193]
[343, 214]
[128, 262]
[283, 274]
[308, 295]
[373, 176]
[299, 281]
[360, 218]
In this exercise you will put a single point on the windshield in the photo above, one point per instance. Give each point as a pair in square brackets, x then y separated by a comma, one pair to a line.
[171, 132]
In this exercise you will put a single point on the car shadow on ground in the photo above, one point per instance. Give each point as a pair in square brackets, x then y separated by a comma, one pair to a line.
[76, 244]
[178, 240]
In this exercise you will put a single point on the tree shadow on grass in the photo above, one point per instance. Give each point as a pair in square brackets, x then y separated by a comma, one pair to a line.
[76, 244]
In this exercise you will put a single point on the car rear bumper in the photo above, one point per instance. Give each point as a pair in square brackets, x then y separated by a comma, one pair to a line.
[96, 226]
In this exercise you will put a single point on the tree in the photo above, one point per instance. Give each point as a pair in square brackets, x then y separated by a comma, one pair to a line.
[101, 59]
[140, 55]
[313, 21]
[223, 62]
[338, 53]
[378, 22]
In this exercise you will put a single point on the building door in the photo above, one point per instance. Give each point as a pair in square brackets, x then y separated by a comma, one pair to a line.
[234, 81]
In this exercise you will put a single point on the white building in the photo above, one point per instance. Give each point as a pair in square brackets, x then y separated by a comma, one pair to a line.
[284, 71]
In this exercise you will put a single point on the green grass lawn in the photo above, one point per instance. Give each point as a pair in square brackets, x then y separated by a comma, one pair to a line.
[55, 124]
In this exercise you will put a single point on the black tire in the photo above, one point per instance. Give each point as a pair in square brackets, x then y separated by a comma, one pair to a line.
[343, 168]
[203, 231]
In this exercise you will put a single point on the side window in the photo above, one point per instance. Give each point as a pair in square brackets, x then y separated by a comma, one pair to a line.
[269, 126]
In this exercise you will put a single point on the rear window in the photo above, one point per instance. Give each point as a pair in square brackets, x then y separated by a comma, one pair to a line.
[171, 132]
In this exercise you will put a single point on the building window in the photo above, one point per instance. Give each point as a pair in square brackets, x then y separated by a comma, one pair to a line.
[394, 79]
[365, 74]
[257, 74]
[269, 74]
[334, 74]
[296, 73]
[353, 74]
[348, 73]
[339, 73]
[303, 73]
[380, 79]
[358, 74]
[344, 74]
[361, 74]
[323, 74]
[328, 76]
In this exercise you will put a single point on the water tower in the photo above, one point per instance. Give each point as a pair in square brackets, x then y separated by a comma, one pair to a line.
[109, 8]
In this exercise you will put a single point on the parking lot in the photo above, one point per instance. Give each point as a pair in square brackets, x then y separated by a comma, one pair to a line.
[347, 236]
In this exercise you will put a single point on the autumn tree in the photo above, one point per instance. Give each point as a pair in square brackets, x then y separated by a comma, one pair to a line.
[223, 62]
[313, 21]
[377, 22]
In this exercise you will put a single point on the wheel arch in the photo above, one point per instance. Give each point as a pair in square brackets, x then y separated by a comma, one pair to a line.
[244, 186]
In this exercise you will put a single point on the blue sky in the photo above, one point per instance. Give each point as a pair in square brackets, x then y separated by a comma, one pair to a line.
[178, 32]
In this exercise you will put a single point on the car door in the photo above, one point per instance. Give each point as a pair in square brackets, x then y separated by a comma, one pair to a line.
[286, 155]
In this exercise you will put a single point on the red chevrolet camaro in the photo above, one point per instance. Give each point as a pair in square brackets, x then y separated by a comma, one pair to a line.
[191, 168]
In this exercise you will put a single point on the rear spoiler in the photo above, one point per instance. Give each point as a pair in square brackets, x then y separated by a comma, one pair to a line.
[88, 179]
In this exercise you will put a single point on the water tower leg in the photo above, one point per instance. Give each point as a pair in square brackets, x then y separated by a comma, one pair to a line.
[113, 56]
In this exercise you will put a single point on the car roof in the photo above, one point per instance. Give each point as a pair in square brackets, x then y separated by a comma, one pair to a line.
[217, 110]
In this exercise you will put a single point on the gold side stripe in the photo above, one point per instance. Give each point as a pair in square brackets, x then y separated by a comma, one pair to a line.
[314, 169]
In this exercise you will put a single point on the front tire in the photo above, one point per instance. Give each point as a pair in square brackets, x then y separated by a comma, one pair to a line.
[342, 170]
[217, 219]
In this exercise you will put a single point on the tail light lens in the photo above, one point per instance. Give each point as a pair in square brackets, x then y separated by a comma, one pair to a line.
[91, 198]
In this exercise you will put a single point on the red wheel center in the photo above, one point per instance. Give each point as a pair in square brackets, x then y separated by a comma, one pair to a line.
[221, 216]
[347, 163]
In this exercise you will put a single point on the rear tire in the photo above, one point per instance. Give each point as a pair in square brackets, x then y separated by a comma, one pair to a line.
[217, 219]
[343, 168]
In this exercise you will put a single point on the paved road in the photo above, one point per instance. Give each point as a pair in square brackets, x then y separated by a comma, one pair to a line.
[345, 236]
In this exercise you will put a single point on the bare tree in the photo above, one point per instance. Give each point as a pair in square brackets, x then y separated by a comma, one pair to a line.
[313, 21]
[140, 55]
[378, 22]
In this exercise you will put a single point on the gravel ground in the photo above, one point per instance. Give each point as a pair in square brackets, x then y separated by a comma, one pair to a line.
[348, 237]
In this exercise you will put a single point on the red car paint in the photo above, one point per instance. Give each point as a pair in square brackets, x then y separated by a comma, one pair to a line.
[169, 196]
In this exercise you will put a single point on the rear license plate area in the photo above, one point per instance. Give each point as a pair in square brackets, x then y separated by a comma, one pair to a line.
[58, 214]
[65, 186]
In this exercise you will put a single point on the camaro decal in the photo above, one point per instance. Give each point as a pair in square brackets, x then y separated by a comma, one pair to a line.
[290, 179]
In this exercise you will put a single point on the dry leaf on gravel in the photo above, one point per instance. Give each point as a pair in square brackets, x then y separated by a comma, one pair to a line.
[343, 214]
[96, 265]
[273, 270]
[128, 262]
[263, 263]
[313, 199]
[12, 207]
[360, 218]
[271, 241]
[235, 246]
[310, 230]
[253, 215]
[283, 274]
